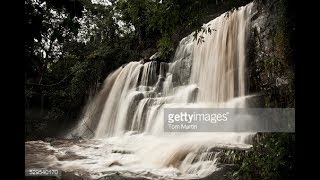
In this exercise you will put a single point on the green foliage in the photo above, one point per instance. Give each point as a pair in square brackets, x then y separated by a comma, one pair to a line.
[173, 17]
[272, 157]
[164, 45]
[46, 20]
[160, 22]
[203, 30]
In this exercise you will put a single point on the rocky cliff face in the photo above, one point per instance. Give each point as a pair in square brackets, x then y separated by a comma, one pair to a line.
[270, 70]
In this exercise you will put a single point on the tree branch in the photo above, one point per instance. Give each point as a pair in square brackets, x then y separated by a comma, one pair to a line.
[88, 127]
[38, 84]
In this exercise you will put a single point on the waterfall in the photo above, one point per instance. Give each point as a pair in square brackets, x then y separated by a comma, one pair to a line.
[208, 74]
[219, 64]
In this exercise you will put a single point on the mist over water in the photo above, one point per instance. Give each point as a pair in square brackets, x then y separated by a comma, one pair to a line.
[127, 114]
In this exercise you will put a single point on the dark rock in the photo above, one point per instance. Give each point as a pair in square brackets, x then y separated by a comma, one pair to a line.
[224, 173]
[256, 101]
[147, 53]
[181, 72]
[115, 163]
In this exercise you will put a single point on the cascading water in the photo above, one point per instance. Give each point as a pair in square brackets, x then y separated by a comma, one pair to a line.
[141, 91]
[127, 113]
